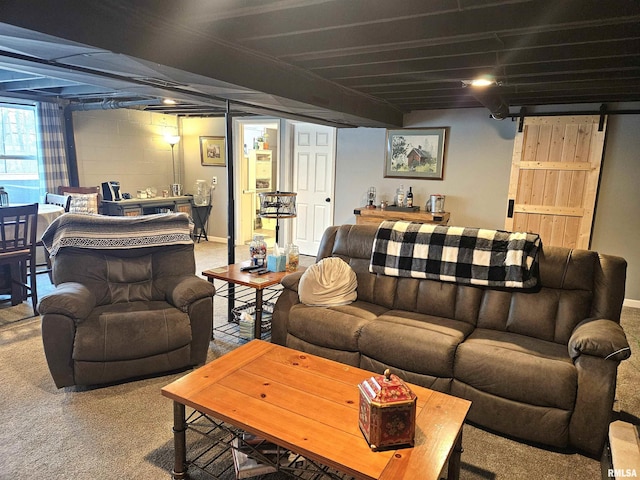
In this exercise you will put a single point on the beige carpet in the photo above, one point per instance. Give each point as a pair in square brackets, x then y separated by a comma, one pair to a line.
[10, 314]
[124, 431]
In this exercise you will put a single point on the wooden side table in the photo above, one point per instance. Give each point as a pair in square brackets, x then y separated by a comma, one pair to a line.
[234, 276]
[375, 216]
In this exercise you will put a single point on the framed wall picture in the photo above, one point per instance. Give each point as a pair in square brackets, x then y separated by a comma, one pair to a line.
[415, 153]
[212, 151]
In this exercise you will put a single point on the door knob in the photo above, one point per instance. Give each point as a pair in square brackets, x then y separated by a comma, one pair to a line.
[328, 200]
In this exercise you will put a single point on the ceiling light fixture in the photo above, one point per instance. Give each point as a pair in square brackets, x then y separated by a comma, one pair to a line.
[482, 81]
[169, 101]
[483, 91]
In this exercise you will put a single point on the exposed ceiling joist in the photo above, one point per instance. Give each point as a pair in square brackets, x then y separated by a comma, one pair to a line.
[348, 62]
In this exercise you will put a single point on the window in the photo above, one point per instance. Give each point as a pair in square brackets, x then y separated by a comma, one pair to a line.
[19, 169]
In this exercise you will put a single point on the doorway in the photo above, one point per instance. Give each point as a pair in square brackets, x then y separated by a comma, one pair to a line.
[298, 157]
[258, 154]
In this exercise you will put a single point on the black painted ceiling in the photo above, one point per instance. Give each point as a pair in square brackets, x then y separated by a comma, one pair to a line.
[346, 62]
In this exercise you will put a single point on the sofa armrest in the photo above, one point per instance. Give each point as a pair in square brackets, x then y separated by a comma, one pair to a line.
[287, 299]
[183, 291]
[292, 280]
[600, 338]
[70, 299]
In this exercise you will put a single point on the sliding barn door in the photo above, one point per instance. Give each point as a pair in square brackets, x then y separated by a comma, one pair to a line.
[554, 178]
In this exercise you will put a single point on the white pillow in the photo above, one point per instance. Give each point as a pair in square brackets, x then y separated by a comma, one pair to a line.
[83, 202]
[327, 283]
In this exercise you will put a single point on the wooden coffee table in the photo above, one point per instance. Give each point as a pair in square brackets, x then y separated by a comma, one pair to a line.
[309, 405]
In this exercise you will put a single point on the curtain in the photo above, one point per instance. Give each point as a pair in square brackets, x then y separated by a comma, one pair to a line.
[53, 155]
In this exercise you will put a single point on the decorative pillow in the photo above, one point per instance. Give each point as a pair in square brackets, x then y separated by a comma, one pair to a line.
[83, 202]
[327, 283]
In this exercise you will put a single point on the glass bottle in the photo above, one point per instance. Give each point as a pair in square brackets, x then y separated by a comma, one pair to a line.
[4, 197]
[293, 257]
[258, 250]
[409, 198]
[400, 196]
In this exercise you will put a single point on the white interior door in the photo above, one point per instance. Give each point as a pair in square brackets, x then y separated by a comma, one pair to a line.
[313, 171]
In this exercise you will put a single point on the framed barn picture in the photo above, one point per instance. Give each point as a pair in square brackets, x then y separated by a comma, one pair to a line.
[416, 153]
[212, 151]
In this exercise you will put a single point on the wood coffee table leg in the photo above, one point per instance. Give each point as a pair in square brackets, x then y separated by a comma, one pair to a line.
[179, 442]
[453, 471]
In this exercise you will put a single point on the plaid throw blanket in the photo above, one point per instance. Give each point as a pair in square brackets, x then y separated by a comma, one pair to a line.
[105, 232]
[469, 256]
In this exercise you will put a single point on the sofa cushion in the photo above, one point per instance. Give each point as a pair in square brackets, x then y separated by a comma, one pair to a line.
[415, 342]
[342, 356]
[429, 381]
[545, 425]
[335, 327]
[518, 368]
[125, 331]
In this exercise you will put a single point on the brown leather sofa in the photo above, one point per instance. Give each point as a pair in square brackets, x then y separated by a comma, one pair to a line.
[539, 366]
[121, 314]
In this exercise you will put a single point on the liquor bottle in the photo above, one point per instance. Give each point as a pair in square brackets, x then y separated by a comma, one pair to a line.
[400, 196]
[409, 198]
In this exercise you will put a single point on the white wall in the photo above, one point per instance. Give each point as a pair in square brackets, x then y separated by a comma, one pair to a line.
[476, 176]
[477, 153]
[124, 145]
[191, 129]
[129, 146]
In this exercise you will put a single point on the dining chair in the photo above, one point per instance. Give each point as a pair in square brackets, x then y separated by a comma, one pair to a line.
[18, 227]
[63, 201]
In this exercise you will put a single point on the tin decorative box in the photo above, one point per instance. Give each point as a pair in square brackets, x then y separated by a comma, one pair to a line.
[387, 412]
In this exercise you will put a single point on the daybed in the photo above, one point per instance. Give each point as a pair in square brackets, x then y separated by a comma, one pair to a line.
[538, 364]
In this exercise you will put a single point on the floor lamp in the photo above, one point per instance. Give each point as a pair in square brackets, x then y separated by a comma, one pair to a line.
[277, 205]
[176, 188]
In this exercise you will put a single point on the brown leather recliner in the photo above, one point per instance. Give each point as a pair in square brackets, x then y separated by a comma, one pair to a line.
[118, 314]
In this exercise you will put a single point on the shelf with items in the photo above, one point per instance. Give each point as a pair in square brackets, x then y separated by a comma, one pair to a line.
[242, 299]
[139, 206]
[260, 171]
[216, 447]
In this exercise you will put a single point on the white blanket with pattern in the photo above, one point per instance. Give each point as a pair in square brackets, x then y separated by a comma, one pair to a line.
[105, 232]
[470, 256]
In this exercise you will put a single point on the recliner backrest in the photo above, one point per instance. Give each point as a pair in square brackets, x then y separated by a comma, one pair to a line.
[115, 276]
